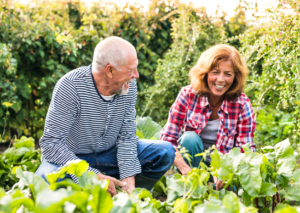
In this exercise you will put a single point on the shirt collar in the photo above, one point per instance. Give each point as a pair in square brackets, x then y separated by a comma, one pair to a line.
[224, 106]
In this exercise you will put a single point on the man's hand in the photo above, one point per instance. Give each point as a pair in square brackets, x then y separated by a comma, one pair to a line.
[112, 182]
[219, 183]
[130, 184]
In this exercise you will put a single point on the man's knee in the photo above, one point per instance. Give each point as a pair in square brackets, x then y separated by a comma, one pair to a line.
[167, 153]
[46, 168]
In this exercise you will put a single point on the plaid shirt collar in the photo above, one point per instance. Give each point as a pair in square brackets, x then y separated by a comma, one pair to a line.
[204, 103]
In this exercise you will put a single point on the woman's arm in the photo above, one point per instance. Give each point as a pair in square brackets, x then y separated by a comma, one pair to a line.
[246, 126]
[179, 162]
[172, 130]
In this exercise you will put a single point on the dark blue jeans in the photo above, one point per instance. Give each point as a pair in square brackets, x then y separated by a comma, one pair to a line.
[156, 158]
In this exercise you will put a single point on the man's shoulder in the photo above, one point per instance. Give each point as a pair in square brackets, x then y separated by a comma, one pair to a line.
[77, 74]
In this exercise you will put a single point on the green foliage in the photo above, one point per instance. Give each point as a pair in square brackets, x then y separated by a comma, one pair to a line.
[271, 48]
[22, 155]
[266, 181]
[147, 129]
[39, 45]
[273, 126]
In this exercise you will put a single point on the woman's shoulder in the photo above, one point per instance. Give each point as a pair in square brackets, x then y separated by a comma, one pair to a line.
[241, 100]
[188, 91]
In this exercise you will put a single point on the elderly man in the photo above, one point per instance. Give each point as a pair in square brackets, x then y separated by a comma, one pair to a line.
[92, 117]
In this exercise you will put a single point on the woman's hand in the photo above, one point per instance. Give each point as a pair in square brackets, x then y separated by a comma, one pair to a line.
[112, 182]
[219, 183]
[181, 164]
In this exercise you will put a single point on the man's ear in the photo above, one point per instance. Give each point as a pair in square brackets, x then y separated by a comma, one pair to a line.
[109, 70]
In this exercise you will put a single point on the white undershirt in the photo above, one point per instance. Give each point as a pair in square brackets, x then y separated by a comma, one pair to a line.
[109, 97]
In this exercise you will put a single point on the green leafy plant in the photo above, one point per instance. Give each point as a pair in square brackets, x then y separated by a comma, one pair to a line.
[147, 129]
[265, 182]
[271, 48]
[273, 126]
[22, 154]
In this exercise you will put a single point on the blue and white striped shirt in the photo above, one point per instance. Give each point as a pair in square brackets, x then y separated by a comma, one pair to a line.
[80, 121]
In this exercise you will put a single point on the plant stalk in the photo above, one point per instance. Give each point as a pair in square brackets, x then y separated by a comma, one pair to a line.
[292, 203]
[256, 204]
[265, 201]
[273, 204]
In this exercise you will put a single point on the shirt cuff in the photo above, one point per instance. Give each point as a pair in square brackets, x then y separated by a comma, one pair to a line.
[75, 178]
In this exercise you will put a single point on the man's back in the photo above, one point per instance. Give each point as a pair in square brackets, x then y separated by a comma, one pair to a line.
[91, 123]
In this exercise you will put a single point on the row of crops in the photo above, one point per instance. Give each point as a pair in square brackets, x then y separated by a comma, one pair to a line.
[255, 182]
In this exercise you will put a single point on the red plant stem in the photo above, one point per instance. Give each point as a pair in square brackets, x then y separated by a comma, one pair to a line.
[228, 188]
[256, 203]
[278, 198]
[293, 203]
[266, 204]
[273, 204]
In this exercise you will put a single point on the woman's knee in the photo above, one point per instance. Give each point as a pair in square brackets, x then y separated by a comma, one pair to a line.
[191, 141]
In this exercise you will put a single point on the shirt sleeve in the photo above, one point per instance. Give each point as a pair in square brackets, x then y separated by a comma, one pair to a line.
[177, 115]
[127, 156]
[62, 112]
[246, 126]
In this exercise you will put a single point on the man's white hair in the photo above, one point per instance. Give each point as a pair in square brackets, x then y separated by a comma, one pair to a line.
[112, 50]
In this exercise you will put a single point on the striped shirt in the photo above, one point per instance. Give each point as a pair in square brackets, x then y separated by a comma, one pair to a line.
[192, 111]
[81, 121]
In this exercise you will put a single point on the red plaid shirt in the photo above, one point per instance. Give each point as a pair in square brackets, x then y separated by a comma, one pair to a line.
[192, 112]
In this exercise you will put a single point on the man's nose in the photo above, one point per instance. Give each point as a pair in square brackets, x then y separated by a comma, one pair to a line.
[136, 74]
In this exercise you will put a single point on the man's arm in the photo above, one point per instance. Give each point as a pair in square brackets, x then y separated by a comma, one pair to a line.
[128, 161]
[63, 110]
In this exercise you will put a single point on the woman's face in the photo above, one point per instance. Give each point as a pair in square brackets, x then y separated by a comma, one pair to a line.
[220, 79]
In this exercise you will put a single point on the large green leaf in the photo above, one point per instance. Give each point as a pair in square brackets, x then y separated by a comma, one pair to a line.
[285, 158]
[24, 142]
[249, 172]
[29, 179]
[229, 164]
[14, 200]
[49, 201]
[215, 164]
[291, 192]
[284, 208]
[267, 189]
[187, 185]
[87, 179]
[138, 194]
[122, 203]
[147, 128]
[230, 204]
[75, 167]
[12, 155]
[101, 201]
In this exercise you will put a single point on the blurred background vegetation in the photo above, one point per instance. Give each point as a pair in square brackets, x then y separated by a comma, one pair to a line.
[39, 44]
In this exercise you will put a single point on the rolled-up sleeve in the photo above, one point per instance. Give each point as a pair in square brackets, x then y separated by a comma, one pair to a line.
[127, 156]
[62, 112]
[246, 126]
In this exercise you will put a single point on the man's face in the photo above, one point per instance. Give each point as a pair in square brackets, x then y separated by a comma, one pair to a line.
[127, 74]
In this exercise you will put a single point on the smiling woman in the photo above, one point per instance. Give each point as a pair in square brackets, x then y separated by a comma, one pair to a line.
[213, 110]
